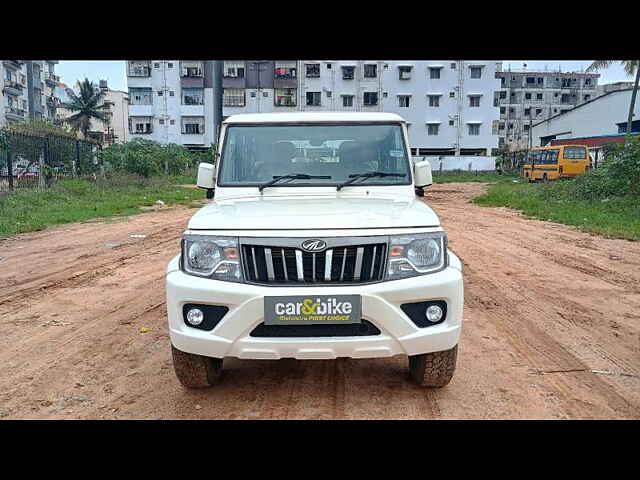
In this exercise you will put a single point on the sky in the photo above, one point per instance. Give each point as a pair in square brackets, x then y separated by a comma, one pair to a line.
[114, 71]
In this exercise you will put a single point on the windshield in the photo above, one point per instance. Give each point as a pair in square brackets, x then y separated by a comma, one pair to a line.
[255, 154]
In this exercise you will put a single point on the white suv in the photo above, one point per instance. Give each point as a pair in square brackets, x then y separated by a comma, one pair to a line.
[314, 247]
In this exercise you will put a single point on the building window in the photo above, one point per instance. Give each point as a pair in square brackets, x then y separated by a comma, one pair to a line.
[156, 65]
[503, 110]
[233, 69]
[170, 65]
[502, 95]
[312, 70]
[370, 98]
[452, 94]
[347, 100]
[159, 93]
[313, 99]
[527, 112]
[137, 68]
[370, 70]
[510, 126]
[384, 94]
[285, 97]
[193, 125]
[434, 100]
[404, 72]
[474, 129]
[538, 96]
[195, 96]
[512, 110]
[172, 122]
[538, 111]
[527, 96]
[348, 73]
[140, 96]
[501, 126]
[540, 80]
[453, 65]
[285, 71]
[171, 93]
[140, 125]
[525, 127]
[452, 123]
[329, 94]
[192, 69]
[432, 128]
[587, 98]
[403, 101]
[234, 97]
[328, 66]
[587, 82]
[265, 94]
[476, 72]
[434, 72]
[474, 100]
[531, 80]
[161, 121]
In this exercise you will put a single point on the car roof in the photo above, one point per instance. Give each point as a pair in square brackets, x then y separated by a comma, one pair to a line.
[312, 117]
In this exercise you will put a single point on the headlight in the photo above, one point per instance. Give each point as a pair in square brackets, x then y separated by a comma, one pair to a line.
[213, 257]
[417, 254]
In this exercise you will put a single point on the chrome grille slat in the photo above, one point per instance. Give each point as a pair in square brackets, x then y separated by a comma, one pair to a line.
[327, 265]
[313, 267]
[269, 260]
[255, 267]
[373, 261]
[299, 267]
[358, 268]
[344, 261]
[284, 265]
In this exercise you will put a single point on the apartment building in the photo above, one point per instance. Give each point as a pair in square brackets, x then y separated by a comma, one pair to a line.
[448, 105]
[528, 97]
[171, 101]
[27, 90]
[116, 129]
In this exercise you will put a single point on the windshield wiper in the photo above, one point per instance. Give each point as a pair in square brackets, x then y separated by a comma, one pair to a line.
[358, 176]
[292, 176]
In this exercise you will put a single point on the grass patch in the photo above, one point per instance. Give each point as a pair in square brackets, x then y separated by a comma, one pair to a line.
[614, 217]
[455, 176]
[79, 199]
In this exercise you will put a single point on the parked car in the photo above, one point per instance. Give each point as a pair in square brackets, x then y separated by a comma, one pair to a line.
[330, 257]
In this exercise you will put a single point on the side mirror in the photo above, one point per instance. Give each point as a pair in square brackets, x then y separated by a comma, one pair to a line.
[422, 176]
[206, 178]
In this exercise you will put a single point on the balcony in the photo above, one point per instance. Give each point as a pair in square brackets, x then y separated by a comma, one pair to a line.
[15, 64]
[139, 68]
[13, 113]
[191, 69]
[12, 87]
[51, 79]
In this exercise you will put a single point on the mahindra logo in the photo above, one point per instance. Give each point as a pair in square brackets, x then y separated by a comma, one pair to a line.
[313, 245]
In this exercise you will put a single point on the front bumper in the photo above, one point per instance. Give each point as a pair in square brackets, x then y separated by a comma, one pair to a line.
[380, 305]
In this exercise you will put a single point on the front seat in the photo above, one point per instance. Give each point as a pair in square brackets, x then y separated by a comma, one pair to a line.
[278, 161]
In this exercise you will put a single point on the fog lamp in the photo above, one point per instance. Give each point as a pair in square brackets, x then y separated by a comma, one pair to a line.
[195, 316]
[433, 313]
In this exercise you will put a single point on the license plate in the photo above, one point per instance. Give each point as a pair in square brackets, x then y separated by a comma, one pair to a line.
[312, 309]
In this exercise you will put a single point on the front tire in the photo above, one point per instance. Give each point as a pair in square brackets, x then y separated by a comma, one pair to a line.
[196, 371]
[434, 369]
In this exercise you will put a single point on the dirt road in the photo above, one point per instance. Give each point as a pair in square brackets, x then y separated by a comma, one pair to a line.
[552, 330]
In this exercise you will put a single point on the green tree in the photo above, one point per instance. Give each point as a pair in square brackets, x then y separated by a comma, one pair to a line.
[88, 104]
[630, 67]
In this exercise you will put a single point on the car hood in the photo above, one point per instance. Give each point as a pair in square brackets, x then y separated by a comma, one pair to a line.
[287, 213]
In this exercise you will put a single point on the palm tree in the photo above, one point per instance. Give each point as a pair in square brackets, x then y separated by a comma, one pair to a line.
[88, 104]
[630, 67]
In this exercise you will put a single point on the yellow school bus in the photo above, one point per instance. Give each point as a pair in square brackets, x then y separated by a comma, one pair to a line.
[558, 161]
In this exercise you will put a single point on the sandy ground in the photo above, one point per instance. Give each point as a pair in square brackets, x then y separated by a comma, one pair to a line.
[552, 324]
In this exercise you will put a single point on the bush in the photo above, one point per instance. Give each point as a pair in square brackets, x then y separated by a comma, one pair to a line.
[617, 176]
[147, 158]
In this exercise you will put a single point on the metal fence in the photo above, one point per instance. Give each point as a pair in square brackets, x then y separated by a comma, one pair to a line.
[29, 161]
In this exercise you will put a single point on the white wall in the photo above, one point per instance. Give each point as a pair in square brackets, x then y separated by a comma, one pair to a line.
[452, 162]
[598, 117]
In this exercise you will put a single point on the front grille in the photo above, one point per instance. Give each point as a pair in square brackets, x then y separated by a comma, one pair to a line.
[364, 329]
[271, 264]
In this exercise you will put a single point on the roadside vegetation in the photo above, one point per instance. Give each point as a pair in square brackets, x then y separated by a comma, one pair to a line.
[456, 176]
[136, 174]
[605, 201]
